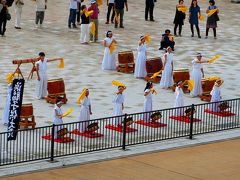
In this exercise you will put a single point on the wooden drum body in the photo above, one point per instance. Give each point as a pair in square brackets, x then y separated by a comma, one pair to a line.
[125, 62]
[181, 75]
[26, 116]
[153, 65]
[207, 86]
[56, 90]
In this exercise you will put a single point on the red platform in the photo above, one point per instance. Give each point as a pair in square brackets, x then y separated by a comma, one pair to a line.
[87, 134]
[120, 128]
[185, 119]
[64, 140]
[151, 124]
[222, 114]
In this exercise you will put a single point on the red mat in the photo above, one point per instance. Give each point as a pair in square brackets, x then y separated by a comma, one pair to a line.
[64, 140]
[222, 114]
[87, 134]
[120, 128]
[185, 119]
[151, 124]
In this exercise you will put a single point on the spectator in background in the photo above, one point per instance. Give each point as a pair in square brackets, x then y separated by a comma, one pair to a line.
[3, 17]
[79, 11]
[73, 6]
[119, 9]
[84, 36]
[194, 13]
[167, 40]
[179, 18]
[94, 19]
[149, 6]
[110, 4]
[18, 10]
[41, 6]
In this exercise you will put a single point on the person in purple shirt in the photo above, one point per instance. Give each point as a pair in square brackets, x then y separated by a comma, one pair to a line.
[94, 18]
[119, 9]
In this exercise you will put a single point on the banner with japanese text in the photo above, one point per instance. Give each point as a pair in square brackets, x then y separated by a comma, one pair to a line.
[15, 108]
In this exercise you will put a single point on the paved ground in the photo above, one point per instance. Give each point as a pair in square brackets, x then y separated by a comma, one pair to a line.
[211, 161]
[83, 63]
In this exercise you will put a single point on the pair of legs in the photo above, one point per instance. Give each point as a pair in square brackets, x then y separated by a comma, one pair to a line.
[3, 23]
[84, 36]
[149, 9]
[164, 44]
[119, 12]
[78, 13]
[179, 30]
[214, 32]
[39, 17]
[95, 38]
[18, 17]
[72, 18]
[198, 30]
[110, 7]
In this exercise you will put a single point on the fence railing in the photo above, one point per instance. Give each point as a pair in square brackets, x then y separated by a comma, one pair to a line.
[119, 131]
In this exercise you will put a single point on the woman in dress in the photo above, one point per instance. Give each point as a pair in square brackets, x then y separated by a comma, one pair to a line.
[197, 75]
[179, 99]
[109, 58]
[148, 91]
[212, 20]
[85, 112]
[167, 74]
[179, 18]
[118, 102]
[140, 67]
[57, 117]
[216, 95]
[194, 13]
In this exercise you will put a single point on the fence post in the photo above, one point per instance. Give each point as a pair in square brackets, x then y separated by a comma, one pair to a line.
[124, 133]
[191, 122]
[52, 143]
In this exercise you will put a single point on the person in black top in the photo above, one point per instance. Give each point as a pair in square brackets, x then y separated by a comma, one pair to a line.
[84, 36]
[119, 11]
[3, 17]
[149, 6]
[167, 40]
[179, 18]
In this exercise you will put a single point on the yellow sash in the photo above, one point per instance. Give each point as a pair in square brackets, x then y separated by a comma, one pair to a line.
[92, 28]
[112, 47]
[211, 12]
[69, 111]
[118, 83]
[88, 13]
[82, 95]
[61, 63]
[212, 60]
[183, 9]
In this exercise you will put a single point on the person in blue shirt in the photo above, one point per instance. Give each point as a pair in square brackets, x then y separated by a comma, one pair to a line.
[194, 13]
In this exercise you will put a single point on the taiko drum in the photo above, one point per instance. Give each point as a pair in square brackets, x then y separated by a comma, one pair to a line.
[181, 75]
[154, 65]
[56, 86]
[26, 110]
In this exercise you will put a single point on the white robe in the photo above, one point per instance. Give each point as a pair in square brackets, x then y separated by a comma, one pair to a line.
[7, 106]
[197, 78]
[109, 60]
[167, 74]
[41, 87]
[18, 11]
[147, 105]
[57, 120]
[179, 101]
[216, 96]
[84, 114]
[118, 101]
[140, 67]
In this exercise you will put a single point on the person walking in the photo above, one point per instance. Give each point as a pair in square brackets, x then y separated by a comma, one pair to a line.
[18, 10]
[110, 4]
[149, 6]
[119, 9]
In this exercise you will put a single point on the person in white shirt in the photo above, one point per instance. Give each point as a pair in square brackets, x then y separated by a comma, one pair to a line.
[73, 6]
[18, 10]
[41, 6]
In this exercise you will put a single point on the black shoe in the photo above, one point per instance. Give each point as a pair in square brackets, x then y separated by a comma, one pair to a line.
[74, 26]
[152, 20]
[199, 37]
[146, 19]
[192, 35]
[121, 26]
[160, 48]
[69, 26]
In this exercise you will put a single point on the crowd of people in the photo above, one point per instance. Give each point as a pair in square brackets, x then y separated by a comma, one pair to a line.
[89, 19]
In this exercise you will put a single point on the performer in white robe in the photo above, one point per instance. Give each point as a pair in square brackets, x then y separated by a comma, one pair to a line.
[167, 74]
[7, 106]
[197, 75]
[41, 87]
[18, 10]
[57, 117]
[216, 95]
[140, 67]
[148, 91]
[109, 60]
[85, 112]
[118, 102]
[179, 99]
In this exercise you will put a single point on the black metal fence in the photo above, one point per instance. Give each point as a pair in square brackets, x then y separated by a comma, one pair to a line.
[120, 131]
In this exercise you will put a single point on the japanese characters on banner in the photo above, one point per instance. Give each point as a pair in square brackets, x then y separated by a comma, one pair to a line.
[15, 108]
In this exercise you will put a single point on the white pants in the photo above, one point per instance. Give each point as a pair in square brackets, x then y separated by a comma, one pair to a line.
[84, 36]
[18, 12]
[41, 87]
